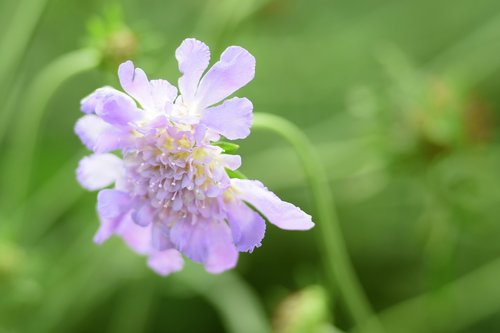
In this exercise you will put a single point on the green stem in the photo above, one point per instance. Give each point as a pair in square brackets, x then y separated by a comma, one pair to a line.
[338, 265]
[18, 162]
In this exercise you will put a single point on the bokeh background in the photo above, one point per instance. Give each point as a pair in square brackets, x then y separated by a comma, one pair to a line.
[400, 98]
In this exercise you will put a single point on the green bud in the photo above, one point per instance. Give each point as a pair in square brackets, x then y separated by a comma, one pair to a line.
[109, 34]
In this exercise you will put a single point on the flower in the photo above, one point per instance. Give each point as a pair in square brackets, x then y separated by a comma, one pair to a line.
[172, 194]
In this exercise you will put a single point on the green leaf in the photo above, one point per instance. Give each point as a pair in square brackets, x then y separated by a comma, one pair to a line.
[229, 148]
[235, 174]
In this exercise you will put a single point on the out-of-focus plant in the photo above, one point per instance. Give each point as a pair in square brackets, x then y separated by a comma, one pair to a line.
[115, 40]
[429, 114]
[307, 310]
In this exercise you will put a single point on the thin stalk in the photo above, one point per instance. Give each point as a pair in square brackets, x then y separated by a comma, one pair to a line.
[19, 157]
[338, 266]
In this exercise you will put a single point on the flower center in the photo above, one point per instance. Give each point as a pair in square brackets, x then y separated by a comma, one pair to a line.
[171, 177]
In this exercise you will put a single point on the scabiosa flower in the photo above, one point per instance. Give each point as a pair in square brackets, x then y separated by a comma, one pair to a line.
[171, 191]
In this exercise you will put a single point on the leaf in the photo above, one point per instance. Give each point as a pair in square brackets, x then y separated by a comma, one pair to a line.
[228, 147]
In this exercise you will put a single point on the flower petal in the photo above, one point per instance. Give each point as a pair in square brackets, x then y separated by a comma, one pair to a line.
[223, 254]
[278, 212]
[143, 215]
[232, 119]
[99, 170]
[207, 242]
[135, 82]
[113, 203]
[106, 229]
[136, 237]
[235, 69]
[232, 162]
[117, 109]
[89, 103]
[162, 93]
[166, 262]
[193, 57]
[89, 129]
[100, 136]
[151, 95]
[161, 237]
[247, 227]
[112, 207]
[189, 239]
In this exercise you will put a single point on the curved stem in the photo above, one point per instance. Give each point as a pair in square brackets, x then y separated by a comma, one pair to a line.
[18, 163]
[339, 269]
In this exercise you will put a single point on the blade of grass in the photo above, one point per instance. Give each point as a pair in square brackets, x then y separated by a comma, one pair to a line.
[18, 162]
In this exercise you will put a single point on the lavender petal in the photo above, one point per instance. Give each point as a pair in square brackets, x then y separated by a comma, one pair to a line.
[280, 213]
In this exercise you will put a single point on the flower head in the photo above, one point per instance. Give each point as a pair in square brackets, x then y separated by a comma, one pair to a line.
[171, 191]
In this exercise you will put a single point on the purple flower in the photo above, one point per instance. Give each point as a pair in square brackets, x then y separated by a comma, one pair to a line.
[171, 193]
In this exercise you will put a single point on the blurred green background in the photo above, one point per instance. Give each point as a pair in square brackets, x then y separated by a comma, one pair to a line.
[400, 99]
